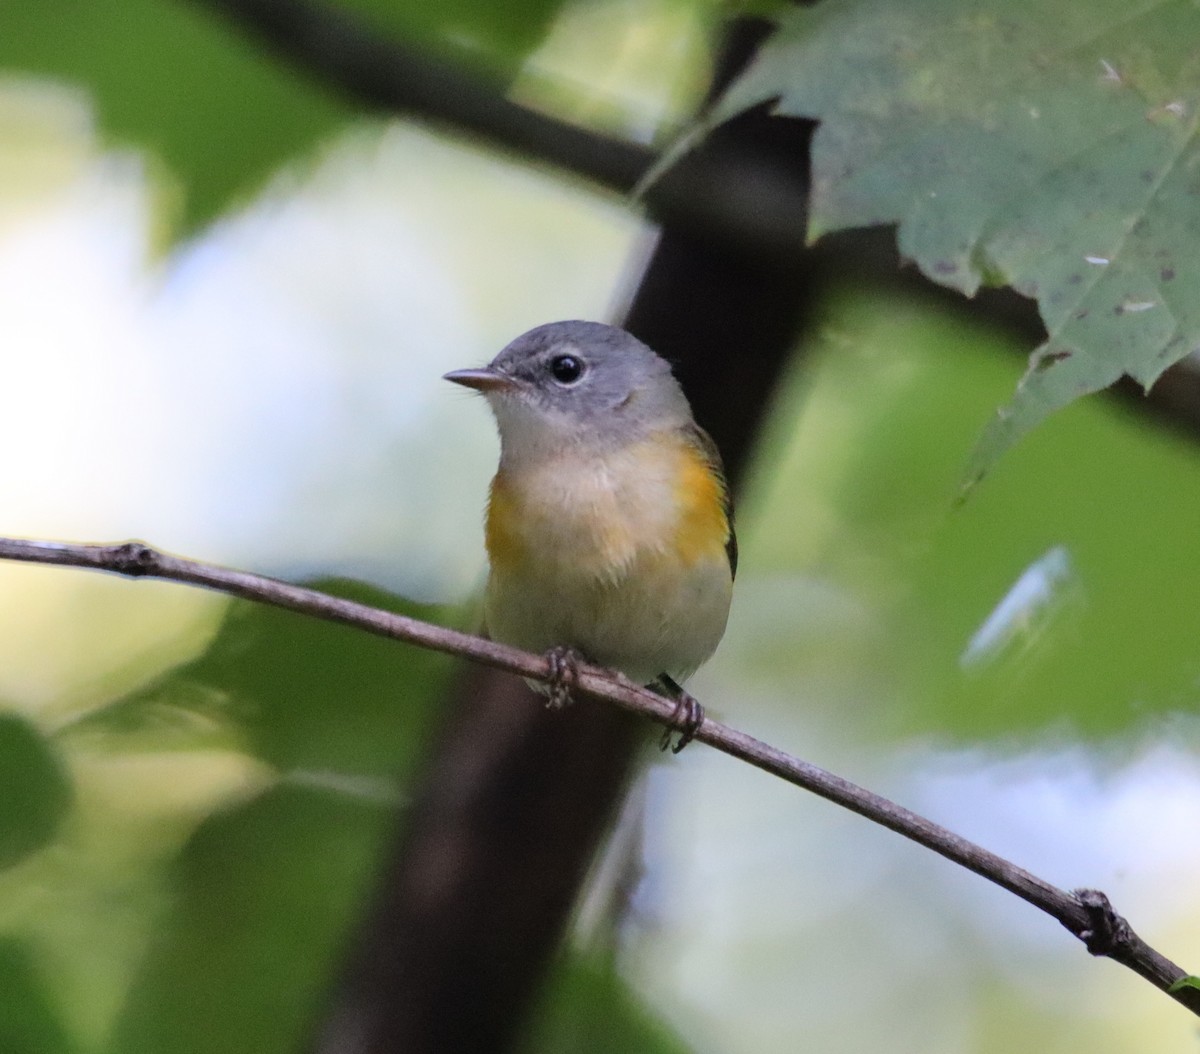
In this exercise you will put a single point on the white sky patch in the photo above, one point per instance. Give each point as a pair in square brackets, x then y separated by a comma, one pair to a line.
[1082, 821]
[770, 915]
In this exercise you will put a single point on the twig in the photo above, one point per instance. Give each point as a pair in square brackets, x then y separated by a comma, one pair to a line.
[756, 201]
[1086, 913]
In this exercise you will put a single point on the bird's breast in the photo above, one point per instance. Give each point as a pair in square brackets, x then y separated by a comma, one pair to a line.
[621, 556]
[594, 517]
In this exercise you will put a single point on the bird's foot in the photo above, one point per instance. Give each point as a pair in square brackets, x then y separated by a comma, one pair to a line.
[686, 718]
[564, 675]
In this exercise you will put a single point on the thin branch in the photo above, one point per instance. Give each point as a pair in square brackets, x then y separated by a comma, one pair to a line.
[1086, 913]
[755, 201]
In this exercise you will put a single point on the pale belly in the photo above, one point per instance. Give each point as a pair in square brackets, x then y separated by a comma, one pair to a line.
[658, 618]
[623, 560]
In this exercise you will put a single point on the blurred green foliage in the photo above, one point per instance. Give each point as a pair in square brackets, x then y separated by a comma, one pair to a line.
[35, 790]
[29, 1024]
[497, 36]
[297, 693]
[254, 906]
[215, 111]
[215, 114]
[264, 894]
[859, 473]
[264, 899]
[589, 1008]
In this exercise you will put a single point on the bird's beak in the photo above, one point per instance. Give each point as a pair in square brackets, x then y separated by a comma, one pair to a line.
[483, 379]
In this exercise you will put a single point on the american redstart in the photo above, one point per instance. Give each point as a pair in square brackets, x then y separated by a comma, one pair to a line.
[609, 526]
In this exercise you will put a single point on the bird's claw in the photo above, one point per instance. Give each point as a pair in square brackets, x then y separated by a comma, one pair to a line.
[686, 719]
[564, 675]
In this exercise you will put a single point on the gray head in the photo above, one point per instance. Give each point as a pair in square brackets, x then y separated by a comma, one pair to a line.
[577, 381]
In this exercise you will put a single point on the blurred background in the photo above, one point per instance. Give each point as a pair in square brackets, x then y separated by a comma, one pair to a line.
[228, 291]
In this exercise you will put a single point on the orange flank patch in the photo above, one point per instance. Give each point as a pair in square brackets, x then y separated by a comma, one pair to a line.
[703, 526]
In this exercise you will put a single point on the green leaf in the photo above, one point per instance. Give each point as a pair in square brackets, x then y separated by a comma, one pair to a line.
[312, 695]
[35, 791]
[244, 926]
[300, 693]
[1187, 989]
[265, 895]
[29, 1024]
[1046, 144]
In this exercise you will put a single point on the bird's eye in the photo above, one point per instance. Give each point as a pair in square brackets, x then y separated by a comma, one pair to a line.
[566, 369]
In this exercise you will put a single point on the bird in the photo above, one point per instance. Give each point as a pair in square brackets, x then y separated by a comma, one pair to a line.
[609, 525]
